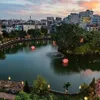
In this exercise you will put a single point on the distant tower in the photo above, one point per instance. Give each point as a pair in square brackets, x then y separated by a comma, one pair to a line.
[30, 20]
[30, 17]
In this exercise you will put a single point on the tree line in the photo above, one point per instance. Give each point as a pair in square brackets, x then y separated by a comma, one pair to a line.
[71, 38]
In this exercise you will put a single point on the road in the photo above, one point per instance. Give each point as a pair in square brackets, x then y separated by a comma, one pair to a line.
[7, 96]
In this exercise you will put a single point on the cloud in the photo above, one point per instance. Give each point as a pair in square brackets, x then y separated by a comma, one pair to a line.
[92, 4]
[46, 9]
[38, 8]
[20, 2]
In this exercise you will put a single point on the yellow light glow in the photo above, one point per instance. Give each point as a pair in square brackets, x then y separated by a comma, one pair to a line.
[85, 98]
[9, 78]
[22, 82]
[80, 87]
[49, 86]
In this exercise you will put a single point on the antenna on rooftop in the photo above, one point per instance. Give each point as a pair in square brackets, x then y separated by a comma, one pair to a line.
[30, 17]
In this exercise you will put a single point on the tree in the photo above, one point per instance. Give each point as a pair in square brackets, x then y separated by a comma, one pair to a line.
[67, 85]
[26, 87]
[21, 33]
[40, 85]
[84, 87]
[3, 26]
[68, 36]
[44, 30]
[31, 32]
[37, 32]
[72, 38]
[5, 34]
[23, 96]
[34, 32]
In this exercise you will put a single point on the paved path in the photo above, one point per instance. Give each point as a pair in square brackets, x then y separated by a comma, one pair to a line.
[3, 45]
[7, 96]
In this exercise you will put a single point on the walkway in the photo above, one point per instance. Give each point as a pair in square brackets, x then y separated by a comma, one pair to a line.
[22, 40]
[7, 96]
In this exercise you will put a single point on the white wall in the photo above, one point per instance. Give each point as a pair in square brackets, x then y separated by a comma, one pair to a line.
[9, 29]
[27, 27]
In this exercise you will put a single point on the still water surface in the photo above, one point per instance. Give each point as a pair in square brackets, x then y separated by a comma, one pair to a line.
[21, 63]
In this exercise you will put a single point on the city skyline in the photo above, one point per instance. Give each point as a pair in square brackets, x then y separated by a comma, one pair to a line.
[38, 9]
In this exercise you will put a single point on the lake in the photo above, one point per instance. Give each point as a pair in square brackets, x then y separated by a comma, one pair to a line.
[21, 63]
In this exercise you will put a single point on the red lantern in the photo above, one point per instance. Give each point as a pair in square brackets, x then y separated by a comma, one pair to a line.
[54, 43]
[33, 47]
[81, 40]
[65, 61]
[65, 65]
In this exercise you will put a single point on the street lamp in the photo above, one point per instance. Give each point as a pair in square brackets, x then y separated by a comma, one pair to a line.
[80, 87]
[9, 78]
[48, 86]
[22, 82]
[85, 98]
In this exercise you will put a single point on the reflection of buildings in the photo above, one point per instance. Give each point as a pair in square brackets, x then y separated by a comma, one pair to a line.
[88, 72]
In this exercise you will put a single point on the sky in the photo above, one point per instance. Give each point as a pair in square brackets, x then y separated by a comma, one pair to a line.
[39, 9]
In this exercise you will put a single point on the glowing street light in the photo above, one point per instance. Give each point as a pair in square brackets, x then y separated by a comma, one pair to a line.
[9, 78]
[80, 87]
[85, 98]
[48, 86]
[22, 82]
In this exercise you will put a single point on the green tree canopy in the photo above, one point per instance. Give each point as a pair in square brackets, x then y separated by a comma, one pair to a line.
[23, 96]
[40, 85]
[73, 38]
[44, 31]
[26, 87]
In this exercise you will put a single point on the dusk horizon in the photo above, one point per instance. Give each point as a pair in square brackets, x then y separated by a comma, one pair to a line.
[44, 8]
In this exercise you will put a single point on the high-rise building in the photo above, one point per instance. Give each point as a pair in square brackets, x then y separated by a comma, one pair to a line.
[73, 18]
[44, 23]
[85, 17]
[50, 21]
[58, 21]
[95, 19]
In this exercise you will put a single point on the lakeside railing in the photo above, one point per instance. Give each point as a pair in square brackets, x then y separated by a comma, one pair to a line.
[62, 93]
[3, 45]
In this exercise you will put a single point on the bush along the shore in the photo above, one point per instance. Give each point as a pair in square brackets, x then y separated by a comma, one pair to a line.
[40, 91]
[75, 40]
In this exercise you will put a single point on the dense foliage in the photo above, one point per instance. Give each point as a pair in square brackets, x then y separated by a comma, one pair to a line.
[26, 87]
[22, 34]
[40, 85]
[44, 30]
[73, 39]
[34, 32]
[24, 96]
